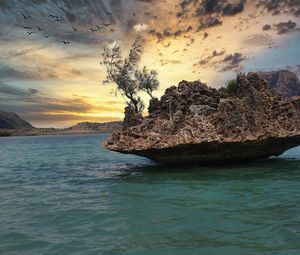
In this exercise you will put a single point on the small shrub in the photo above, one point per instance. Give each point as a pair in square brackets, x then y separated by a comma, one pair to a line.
[232, 86]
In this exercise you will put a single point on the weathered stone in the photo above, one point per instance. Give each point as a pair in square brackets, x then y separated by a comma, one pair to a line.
[195, 124]
[131, 117]
[286, 82]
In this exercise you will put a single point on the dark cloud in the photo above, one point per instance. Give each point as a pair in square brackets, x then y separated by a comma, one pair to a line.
[209, 22]
[167, 33]
[233, 9]
[5, 5]
[33, 91]
[208, 59]
[211, 7]
[232, 61]
[277, 7]
[285, 27]
[266, 27]
[8, 72]
[210, 11]
[82, 14]
[13, 91]
[32, 101]
[216, 54]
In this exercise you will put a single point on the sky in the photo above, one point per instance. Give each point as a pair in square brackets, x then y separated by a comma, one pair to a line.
[50, 50]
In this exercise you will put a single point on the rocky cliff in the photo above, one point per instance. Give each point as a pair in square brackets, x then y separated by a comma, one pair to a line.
[195, 124]
[10, 120]
[286, 82]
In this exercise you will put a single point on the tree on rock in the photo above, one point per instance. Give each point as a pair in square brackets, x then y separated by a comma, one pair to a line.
[126, 75]
[147, 81]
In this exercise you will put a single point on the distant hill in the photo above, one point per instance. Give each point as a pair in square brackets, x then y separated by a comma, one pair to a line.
[12, 125]
[10, 120]
[106, 127]
[286, 82]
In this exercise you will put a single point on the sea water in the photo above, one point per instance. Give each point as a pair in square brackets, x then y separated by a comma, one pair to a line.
[68, 195]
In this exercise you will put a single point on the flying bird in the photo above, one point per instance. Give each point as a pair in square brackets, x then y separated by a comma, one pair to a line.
[65, 42]
[98, 27]
[55, 17]
[27, 27]
[25, 17]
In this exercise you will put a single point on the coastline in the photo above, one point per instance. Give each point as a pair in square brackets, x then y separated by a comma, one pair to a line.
[43, 132]
[79, 129]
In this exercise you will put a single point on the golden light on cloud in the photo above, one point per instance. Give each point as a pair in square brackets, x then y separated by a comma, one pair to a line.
[183, 40]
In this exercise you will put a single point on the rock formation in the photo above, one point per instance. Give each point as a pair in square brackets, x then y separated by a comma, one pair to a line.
[195, 124]
[286, 82]
[10, 120]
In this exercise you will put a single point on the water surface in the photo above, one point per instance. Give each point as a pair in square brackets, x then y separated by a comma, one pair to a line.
[67, 195]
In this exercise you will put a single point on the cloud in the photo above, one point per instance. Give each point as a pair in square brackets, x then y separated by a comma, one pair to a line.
[13, 91]
[232, 61]
[258, 40]
[164, 62]
[47, 72]
[266, 27]
[209, 7]
[233, 9]
[220, 7]
[168, 33]
[30, 50]
[285, 27]
[277, 7]
[210, 22]
[32, 100]
[34, 91]
[207, 60]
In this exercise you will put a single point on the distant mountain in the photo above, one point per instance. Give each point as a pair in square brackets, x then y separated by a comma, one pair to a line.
[10, 120]
[85, 127]
[286, 82]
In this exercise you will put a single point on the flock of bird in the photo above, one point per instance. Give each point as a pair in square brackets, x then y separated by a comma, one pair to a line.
[55, 18]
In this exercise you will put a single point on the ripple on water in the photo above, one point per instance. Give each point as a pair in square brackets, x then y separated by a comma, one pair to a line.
[67, 195]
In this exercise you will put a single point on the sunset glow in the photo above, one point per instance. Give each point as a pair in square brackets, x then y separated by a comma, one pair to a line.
[52, 84]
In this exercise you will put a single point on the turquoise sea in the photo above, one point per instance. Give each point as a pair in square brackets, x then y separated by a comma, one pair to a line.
[66, 195]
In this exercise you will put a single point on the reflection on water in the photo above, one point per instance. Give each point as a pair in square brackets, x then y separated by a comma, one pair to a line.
[67, 195]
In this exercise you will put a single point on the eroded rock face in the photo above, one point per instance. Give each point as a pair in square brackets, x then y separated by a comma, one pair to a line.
[195, 124]
[286, 82]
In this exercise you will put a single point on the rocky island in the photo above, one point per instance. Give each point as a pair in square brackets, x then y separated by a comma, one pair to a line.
[195, 124]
